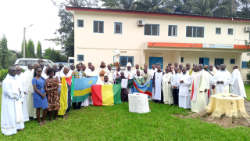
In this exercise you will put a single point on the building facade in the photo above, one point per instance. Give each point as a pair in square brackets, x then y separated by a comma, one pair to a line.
[164, 38]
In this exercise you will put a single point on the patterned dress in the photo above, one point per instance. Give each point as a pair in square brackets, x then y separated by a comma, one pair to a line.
[51, 87]
[79, 74]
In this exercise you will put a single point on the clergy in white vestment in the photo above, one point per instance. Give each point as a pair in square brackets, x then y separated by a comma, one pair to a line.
[222, 80]
[117, 73]
[23, 88]
[90, 73]
[167, 87]
[89, 68]
[146, 75]
[237, 85]
[129, 75]
[106, 81]
[157, 85]
[175, 86]
[212, 87]
[197, 87]
[136, 69]
[102, 71]
[188, 68]
[184, 93]
[11, 110]
[153, 70]
[110, 74]
[145, 67]
[207, 82]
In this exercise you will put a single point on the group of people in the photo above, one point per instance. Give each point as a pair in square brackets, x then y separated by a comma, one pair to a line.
[30, 95]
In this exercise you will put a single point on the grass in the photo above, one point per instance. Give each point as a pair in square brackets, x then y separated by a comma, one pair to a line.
[247, 88]
[117, 123]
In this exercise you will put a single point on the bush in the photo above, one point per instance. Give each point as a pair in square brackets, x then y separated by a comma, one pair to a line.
[3, 74]
[248, 76]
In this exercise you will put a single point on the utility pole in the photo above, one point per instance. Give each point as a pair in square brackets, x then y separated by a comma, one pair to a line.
[24, 30]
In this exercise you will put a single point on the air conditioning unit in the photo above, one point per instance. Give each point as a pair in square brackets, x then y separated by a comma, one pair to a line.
[247, 29]
[141, 22]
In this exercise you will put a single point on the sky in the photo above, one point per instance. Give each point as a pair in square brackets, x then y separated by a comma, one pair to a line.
[17, 14]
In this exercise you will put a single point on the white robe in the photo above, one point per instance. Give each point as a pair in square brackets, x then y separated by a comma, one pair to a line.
[23, 87]
[11, 119]
[167, 89]
[184, 93]
[237, 85]
[207, 84]
[89, 101]
[224, 76]
[110, 75]
[153, 72]
[128, 74]
[101, 78]
[158, 81]
[114, 75]
[198, 100]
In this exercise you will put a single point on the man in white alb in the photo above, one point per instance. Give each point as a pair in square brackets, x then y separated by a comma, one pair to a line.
[237, 85]
[167, 87]
[222, 80]
[157, 85]
[184, 85]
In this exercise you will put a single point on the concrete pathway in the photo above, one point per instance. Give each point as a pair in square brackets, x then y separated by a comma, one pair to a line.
[247, 106]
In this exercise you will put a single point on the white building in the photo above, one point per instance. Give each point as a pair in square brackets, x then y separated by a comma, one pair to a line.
[164, 38]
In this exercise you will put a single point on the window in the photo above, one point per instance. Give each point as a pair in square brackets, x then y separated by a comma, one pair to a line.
[218, 61]
[125, 59]
[193, 31]
[172, 30]
[80, 23]
[118, 28]
[80, 57]
[98, 27]
[232, 61]
[230, 31]
[245, 64]
[182, 59]
[218, 30]
[151, 29]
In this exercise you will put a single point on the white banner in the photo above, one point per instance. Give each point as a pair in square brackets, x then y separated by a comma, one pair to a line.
[218, 46]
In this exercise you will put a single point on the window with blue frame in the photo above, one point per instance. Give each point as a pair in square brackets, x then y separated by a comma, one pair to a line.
[218, 61]
[80, 57]
[118, 28]
[245, 64]
[125, 59]
[80, 23]
[232, 61]
[172, 30]
[194, 31]
[218, 30]
[98, 27]
[230, 31]
[152, 29]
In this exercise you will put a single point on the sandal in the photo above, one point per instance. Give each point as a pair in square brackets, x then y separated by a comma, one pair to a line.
[45, 122]
[41, 124]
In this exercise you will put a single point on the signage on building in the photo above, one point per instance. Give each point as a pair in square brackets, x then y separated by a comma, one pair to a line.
[218, 46]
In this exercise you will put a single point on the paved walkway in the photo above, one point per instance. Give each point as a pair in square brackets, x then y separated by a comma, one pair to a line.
[247, 106]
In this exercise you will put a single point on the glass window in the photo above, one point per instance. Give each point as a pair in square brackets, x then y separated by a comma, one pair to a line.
[50, 63]
[151, 29]
[218, 61]
[182, 59]
[79, 23]
[125, 59]
[232, 61]
[195, 31]
[172, 30]
[22, 62]
[98, 26]
[245, 64]
[230, 31]
[118, 28]
[218, 30]
[80, 57]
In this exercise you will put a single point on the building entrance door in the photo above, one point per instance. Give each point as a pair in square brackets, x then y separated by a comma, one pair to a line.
[154, 60]
[204, 61]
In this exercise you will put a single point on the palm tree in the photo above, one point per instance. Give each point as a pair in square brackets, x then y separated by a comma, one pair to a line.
[184, 6]
[155, 5]
[119, 4]
[244, 6]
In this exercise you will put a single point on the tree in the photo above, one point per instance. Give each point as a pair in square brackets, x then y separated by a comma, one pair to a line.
[39, 50]
[119, 4]
[31, 49]
[4, 55]
[12, 58]
[26, 50]
[155, 5]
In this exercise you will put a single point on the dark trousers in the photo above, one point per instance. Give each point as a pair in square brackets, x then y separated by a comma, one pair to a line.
[77, 105]
[176, 96]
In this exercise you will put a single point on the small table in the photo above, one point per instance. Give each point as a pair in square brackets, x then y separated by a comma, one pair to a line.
[138, 103]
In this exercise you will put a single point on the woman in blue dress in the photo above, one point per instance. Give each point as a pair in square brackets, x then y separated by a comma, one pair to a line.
[39, 96]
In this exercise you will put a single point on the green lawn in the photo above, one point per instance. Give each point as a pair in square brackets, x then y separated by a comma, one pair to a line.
[117, 123]
[247, 88]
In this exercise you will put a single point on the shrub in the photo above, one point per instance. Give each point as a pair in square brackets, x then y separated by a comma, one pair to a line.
[3, 74]
[248, 76]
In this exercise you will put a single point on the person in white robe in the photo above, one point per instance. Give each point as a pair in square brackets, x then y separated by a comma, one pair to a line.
[237, 85]
[11, 110]
[157, 85]
[136, 69]
[167, 87]
[187, 68]
[102, 71]
[146, 75]
[184, 85]
[23, 88]
[110, 74]
[197, 87]
[129, 75]
[153, 70]
[89, 68]
[145, 67]
[175, 86]
[117, 73]
[212, 87]
[90, 73]
[222, 80]
[207, 82]
[106, 81]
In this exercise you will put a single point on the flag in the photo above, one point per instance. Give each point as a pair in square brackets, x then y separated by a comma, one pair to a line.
[106, 95]
[63, 97]
[82, 88]
[146, 89]
[125, 83]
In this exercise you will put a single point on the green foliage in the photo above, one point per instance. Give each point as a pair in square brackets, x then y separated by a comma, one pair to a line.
[54, 55]
[4, 55]
[69, 45]
[30, 49]
[248, 76]
[3, 74]
[39, 50]
[120, 4]
[26, 50]
[12, 58]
